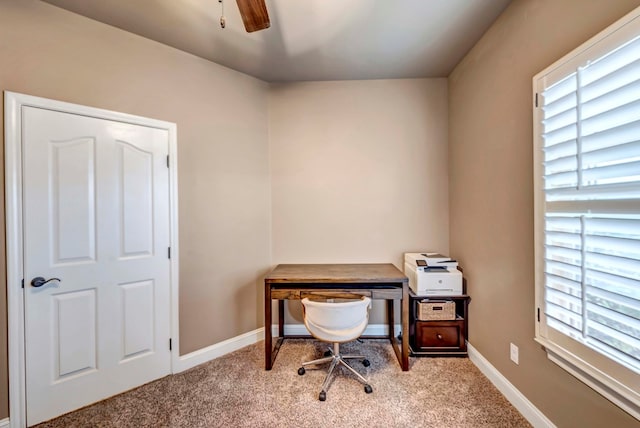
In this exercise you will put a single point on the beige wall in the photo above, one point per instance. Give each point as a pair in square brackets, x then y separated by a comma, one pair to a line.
[222, 148]
[358, 171]
[491, 194]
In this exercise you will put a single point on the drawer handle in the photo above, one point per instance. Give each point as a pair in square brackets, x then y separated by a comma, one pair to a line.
[439, 336]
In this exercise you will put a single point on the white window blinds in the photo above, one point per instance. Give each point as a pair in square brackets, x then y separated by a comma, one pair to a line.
[591, 122]
[592, 129]
[587, 127]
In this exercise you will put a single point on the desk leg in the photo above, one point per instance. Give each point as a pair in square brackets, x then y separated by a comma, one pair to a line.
[391, 323]
[401, 349]
[281, 318]
[267, 328]
[391, 319]
[405, 327]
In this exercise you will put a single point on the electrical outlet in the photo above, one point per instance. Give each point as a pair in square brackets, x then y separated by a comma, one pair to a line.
[514, 353]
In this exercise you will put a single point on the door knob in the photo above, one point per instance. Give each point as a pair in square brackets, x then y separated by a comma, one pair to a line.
[39, 281]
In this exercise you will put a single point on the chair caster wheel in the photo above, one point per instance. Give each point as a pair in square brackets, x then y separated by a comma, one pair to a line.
[301, 371]
[366, 363]
[322, 396]
[368, 389]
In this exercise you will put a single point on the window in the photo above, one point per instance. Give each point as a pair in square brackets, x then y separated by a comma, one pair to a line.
[587, 212]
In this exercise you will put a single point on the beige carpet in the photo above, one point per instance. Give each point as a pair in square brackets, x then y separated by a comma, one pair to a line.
[236, 391]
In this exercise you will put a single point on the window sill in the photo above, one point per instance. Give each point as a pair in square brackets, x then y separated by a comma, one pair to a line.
[625, 398]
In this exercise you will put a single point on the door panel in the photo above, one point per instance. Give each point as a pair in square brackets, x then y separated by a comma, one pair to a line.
[136, 200]
[137, 311]
[75, 322]
[73, 200]
[95, 215]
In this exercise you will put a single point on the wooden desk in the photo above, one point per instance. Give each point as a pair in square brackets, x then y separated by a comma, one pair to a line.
[297, 281]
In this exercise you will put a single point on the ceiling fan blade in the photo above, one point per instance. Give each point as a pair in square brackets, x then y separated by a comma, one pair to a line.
[254, 14]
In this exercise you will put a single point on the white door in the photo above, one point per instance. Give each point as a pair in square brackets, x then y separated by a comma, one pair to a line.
[96, 216]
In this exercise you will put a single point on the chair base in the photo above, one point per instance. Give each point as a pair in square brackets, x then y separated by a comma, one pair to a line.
[336, 359]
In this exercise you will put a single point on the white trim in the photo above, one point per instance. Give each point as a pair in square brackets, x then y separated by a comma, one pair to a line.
[212, 352]
[219, 349]
[13, 103]
[621, 395]
[5, 423]
[515, 397]
[13, 212]
[175, 247]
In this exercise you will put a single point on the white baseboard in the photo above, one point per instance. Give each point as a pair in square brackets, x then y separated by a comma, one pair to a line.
[4, 423]
[212, 352]
[371, 330]
[201, 356]
[515, 397]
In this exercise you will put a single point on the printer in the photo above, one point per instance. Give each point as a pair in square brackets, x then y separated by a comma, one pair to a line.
[432, 274]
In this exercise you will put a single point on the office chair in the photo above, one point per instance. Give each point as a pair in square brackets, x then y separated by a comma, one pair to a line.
[337, 322]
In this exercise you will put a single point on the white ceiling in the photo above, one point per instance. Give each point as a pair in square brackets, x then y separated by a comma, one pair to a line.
[311, 39]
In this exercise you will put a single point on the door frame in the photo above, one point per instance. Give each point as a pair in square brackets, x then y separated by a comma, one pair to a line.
[13, 104]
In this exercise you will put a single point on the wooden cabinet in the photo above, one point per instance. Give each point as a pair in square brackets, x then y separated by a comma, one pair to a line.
[439, 337]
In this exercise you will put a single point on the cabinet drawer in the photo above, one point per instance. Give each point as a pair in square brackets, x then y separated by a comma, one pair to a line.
[440, 335]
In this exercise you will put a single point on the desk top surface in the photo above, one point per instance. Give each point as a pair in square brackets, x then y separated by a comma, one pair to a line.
[336, 273]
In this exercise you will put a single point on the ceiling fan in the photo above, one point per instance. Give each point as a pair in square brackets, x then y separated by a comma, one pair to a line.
[254, 14]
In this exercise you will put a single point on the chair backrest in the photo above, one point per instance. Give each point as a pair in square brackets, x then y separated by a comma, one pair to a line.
[338, 321]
